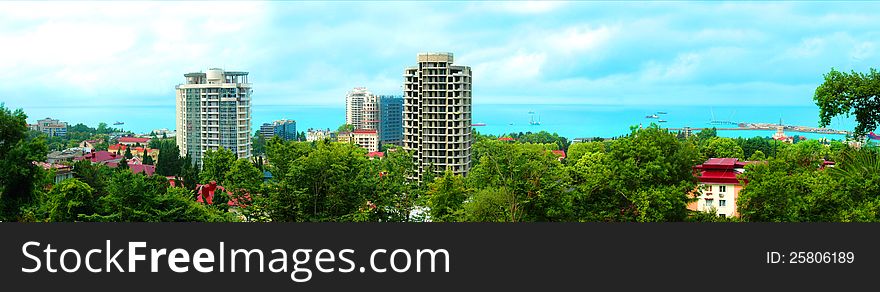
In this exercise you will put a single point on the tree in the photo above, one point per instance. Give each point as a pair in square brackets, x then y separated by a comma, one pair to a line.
[446, 196]
[850, 94]
[123, 164]
[646, 176]
[94, 175]
[492, 205]
[577, 150]
[758, 156]
[148, 159]
[243, 178]
[345, 128]
[215, 165]
[67, 201]
[722, 148]
[754, 144]
[707, 134]
[259, 143]
[128, 154]
[169, 162]
[320, 182]
[535, 180]
[138, 198]
[188, 172]
[17, 173]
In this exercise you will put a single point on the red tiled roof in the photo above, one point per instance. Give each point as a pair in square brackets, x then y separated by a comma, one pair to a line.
[136, 168]
[133, 140]
[45, 165]
[559, 152]
[719, 170]
[375, 154]
[117, 147]
[100, 156]
[506, 139]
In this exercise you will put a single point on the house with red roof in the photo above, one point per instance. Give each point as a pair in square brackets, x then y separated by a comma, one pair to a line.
[119, 149]
[62, 172]
[506, 139]
[560, 155]
[719, 186]
[136, 168]
[375, 155]
[131, 141]
[100, 157]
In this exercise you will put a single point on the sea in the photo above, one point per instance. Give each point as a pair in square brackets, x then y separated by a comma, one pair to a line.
[568, 120]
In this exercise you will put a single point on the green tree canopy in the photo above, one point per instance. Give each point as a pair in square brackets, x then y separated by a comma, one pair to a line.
[850, 94]
[17, 172]
[646, 176]
[215, 165]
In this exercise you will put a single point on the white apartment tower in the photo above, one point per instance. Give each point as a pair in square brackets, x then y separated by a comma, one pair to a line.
[214, 111]
[437, 114]
[362, 109]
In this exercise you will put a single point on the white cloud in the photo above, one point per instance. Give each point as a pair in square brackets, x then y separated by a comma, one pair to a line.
[528, 7]
[123, 48]
[579, 39]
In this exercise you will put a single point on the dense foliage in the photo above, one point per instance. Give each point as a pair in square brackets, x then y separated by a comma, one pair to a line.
[850, 94]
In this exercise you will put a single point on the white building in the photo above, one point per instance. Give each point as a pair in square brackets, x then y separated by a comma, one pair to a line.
[362, 109]
[318, 134]
[367, 139]
[437, 114]
[214, 111]
[51, 127]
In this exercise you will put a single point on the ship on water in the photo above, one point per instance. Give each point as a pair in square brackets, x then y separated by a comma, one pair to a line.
[532, 120]
[652, 117]
[117, 123]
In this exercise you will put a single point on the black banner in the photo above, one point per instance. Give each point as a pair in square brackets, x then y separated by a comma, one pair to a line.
[485, 257]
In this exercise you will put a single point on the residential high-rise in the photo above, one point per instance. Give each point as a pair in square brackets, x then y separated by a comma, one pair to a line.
[437, 114]
[267, 130]
[361, 109]
[391, 120]
[367, 111]
[214, 111]
[285, 129]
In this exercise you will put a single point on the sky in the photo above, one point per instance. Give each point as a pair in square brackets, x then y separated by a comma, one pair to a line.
[130, 53]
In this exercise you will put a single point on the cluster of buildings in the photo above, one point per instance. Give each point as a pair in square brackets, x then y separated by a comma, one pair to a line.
[432, 119]
[285, 129]
[60, 161]
[376, 119]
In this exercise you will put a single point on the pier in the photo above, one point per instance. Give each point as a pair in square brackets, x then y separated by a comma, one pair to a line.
[771, 127]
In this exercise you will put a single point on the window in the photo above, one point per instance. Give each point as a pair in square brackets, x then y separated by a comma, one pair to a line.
[722, 188]
[722, 203]
[709, 188]
[709, 202]
[722, 215]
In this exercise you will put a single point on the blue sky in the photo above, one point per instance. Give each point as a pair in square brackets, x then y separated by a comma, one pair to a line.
[134, 53]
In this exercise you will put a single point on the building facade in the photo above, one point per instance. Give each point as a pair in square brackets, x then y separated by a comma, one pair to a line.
[51, 127]
[367, 139]
[267, 130]
[213, 112]
[318, 134]
[391, 120]
[719, 186]
[361, 109]
[437, 114]
[285, 129]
